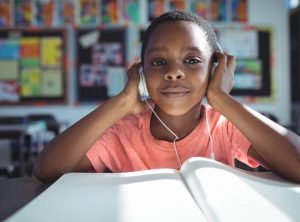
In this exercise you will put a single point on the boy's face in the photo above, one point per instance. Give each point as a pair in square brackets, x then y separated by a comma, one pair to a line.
[177, 66]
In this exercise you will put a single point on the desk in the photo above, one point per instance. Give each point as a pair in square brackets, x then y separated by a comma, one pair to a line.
[19, 132]
[17, 192]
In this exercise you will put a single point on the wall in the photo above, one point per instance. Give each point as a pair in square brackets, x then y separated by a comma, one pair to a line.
[272, 13]
[275, 14]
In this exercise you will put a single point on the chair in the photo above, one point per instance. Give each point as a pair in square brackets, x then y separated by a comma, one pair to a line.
[52, 130]
[52, 124]
[12, 163]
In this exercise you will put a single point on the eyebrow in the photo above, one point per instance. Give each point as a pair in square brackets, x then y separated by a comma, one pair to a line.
[164, 49]
[157, 49]
[192, 48]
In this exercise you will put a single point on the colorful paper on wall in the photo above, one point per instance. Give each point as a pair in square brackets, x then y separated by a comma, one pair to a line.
[66, 12]
[108, 54]
[86, 76]
[100, 74]
[219, 11]
[29, 47]
[88, 12]
[201, 8]
[31, 82]
[9, 91]
[9, 49]
[24, 13]
[93, 76]
[29, 51]
[239, 10]
[28, 62]
[177, 4]
[131, 12]
[155, 8]
[45, 12]
[248, 74]
[89, 39]
[51, 85]
[8, 70]
[51, 50]
[116, 80]
[109, 12]
[243, 43]
[5, 13]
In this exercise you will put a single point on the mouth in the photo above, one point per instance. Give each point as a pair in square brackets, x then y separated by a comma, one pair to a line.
[174, 92]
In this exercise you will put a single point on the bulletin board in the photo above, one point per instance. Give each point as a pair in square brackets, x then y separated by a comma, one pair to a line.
[252, 48]
[101, 63]
[259, 67]
[32, 66]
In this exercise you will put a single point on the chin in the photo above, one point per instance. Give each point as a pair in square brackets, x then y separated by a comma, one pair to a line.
[177, 110]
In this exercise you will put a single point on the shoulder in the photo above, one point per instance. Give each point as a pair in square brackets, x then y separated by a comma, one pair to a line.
[213, 116]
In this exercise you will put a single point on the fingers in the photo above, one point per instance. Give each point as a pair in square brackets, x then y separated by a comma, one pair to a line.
[133, 70]
[230, 62]
[225, 59]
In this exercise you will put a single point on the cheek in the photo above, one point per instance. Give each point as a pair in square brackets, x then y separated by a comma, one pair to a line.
[200, 82]
[152, 83]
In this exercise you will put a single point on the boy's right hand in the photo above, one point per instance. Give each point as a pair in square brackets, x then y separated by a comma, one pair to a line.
[131, 91]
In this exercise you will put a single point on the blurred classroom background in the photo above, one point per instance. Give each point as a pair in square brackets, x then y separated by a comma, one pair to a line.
[60, 59]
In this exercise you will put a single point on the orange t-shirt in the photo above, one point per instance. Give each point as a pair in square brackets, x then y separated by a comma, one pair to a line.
[129, 145]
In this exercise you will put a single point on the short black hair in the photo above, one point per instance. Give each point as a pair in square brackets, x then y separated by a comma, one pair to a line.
[177, 15]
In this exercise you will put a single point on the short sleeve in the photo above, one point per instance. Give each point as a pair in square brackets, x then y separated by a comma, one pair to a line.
[94, 155]
[240, 145]
[108, 151]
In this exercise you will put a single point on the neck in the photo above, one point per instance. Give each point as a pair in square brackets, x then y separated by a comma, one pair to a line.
[181, 125]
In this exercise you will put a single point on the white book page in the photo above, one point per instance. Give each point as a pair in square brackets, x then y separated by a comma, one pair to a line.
[228, 194]
[154, 195]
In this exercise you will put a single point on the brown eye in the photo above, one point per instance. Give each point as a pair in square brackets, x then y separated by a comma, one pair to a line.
[192, 61]
[158, 62]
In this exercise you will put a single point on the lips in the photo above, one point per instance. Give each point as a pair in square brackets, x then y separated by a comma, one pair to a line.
[177, 91]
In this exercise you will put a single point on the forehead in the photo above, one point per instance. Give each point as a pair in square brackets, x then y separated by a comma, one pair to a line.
[178, 34]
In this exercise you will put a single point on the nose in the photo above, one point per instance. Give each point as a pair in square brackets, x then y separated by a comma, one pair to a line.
[174, 75]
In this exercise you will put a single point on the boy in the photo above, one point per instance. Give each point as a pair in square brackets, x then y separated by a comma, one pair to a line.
[178, 54]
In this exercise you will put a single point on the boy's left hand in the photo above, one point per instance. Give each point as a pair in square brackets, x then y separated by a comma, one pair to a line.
[222, 80]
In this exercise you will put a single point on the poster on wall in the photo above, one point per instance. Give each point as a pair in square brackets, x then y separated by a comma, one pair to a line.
[242, 42]
[100, 61]
[218, 12]
[130, 11]
[248, 74]
[45, 12]
[51, 54]
[31, 82]
[9, 91]
[239, 10]
[29, 51]
[177, 5]
[201, 8]
[109, 12]
[66, 12]
[24, 13]
[9, 69]
[156, 8]
[109, 54]
[5, 13]
[252, 48]
[52, 83]
[87, 12]
[32, 66]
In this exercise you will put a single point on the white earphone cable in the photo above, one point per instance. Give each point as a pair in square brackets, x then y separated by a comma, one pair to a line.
[211, 143]
[176, 137]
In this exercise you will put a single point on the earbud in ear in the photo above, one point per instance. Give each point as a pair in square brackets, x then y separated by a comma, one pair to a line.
[142, 86]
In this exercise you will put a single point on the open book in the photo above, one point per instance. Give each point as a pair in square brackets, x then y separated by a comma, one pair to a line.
[203, 190]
